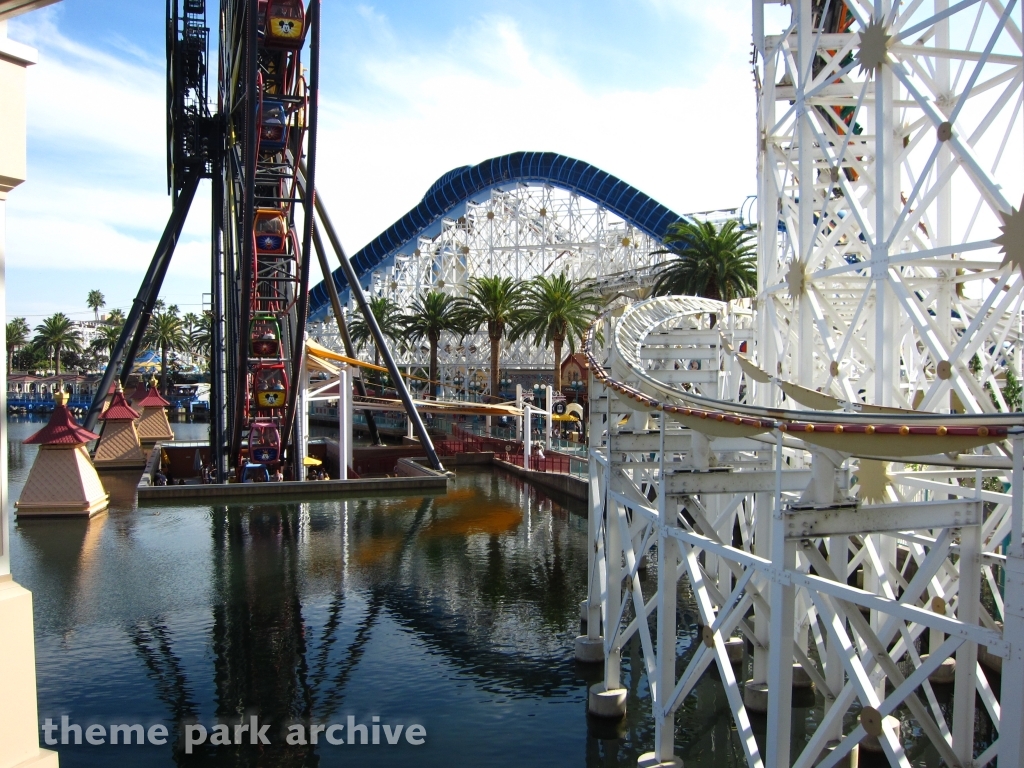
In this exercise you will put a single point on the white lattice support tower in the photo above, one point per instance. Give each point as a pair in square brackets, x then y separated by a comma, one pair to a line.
[817, 496]
[890, 154]
[530, 230]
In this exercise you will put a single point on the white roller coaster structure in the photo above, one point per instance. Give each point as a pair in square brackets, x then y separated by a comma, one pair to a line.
[519, 233]
[846, 491]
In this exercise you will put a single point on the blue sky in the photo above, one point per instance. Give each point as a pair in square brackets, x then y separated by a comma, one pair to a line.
[658, 92]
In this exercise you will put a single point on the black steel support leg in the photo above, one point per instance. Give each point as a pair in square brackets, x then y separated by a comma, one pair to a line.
[217, 412]
[138, 316]
[389, 361]
[332, 290]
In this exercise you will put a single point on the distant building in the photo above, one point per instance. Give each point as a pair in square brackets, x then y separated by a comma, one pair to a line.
[87, 330]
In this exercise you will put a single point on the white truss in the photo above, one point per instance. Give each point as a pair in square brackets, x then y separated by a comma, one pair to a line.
[520, 233]
[890, 155]
[726, 496]
[880, 193]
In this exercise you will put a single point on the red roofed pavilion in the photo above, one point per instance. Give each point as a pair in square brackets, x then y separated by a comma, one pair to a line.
[153, 426]
[63, 480]
[139, 394]
[119, 447]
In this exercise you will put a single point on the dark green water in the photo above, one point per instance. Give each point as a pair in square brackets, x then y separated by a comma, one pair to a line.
[456, 612]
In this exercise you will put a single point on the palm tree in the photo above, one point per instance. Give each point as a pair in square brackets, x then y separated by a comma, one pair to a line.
[166, 332]
[556, 310]
[714, 263]
[116, 317]
[105, 339]
[94, 301]
[432, 314]
[202, 336]
[56, 334]
[17, 337]
[389, 319]
[498, 303]
[190, 323]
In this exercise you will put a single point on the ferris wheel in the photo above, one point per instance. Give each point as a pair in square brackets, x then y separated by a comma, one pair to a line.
[257, 145]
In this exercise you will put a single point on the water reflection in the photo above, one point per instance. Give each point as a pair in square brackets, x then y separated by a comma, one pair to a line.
[456, 611]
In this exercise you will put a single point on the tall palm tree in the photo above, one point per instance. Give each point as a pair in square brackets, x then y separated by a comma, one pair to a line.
[105, 339]
[166, 332]
[116, 317]
[711, 262]
[557, 310]
[190, 323]
[496, 302]
[17, 337]
[95, 300]
[431, 315]
[202, 336]
[56, 334]
[388, 315]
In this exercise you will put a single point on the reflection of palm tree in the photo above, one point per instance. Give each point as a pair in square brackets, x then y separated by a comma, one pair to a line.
[557, 310]
[152, 641]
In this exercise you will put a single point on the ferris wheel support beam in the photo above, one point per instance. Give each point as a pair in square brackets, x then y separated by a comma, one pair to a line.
[299, 352]
[378, 337]
[218, 415]
[250, 106]
[142, 307]
[346, 340]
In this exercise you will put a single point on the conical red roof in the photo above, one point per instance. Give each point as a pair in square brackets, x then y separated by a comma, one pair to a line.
[62, 429]
[119, 409]
[153, 399]
[139, 393]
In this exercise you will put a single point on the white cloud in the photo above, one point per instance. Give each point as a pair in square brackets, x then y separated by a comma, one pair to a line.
[689, 147]
[416, 113]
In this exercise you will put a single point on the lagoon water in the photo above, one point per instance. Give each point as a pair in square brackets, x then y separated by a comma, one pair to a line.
[456, 612]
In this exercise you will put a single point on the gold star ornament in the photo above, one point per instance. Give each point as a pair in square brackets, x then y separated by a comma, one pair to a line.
[1011, 242]
[796, 278]
[874, 47]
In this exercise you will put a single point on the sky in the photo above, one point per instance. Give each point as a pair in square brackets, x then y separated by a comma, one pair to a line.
[657, 92]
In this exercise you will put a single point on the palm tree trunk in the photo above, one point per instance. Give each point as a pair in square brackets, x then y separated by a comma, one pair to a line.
[432, 386]
[163, 368]
[495, 354]
[57, 358]
[558, 362]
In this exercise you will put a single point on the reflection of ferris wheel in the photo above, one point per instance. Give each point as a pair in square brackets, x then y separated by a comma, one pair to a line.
[259, 150]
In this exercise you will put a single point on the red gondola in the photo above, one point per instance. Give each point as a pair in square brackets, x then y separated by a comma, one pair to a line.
[264, 441]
